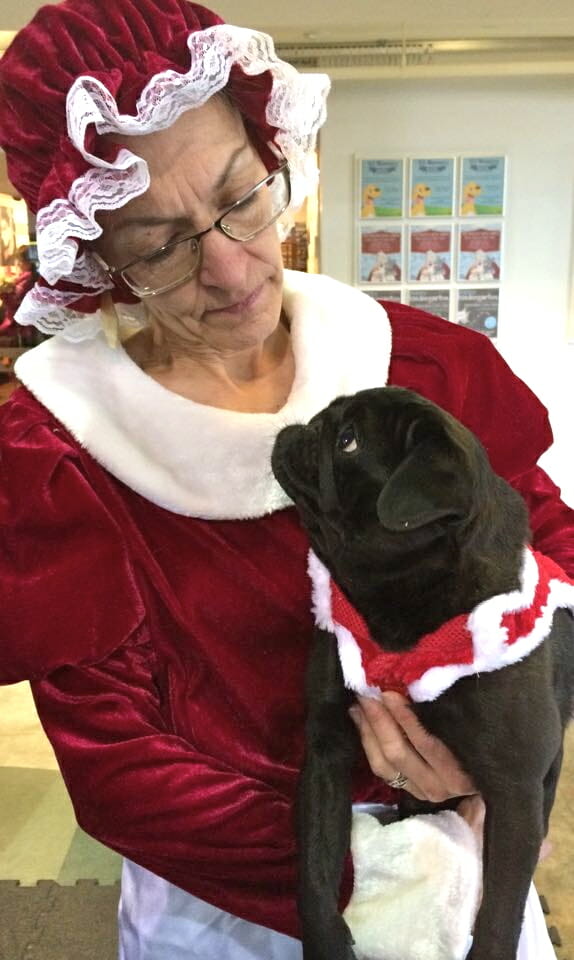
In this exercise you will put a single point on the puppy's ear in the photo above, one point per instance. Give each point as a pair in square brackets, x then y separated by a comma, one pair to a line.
[432, 483]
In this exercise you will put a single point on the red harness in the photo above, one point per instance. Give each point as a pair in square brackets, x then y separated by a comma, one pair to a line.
[499, 631]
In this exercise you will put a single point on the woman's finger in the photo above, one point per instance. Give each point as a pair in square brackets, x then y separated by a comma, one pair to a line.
[389, 751]
[432, 750]
[387, 732]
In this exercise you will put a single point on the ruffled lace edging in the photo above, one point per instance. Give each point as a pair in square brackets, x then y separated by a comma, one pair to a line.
[296, 108]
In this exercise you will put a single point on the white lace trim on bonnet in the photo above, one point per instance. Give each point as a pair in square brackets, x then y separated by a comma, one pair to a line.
[296, 107]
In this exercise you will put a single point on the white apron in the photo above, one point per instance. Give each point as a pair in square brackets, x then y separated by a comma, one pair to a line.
[158, 921]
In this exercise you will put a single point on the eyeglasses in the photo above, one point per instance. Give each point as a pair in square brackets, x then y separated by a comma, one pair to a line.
[177, 261]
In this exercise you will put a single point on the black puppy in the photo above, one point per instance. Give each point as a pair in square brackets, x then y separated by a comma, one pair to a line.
[403, 508]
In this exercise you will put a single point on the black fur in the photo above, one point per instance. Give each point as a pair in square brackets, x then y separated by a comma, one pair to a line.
[416, 528]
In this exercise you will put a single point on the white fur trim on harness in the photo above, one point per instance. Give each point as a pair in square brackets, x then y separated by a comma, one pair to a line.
[490, 645]
[296, 108]
[349, 650]
[492, 651]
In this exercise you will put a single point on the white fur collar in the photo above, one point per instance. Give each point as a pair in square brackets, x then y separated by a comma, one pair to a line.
[194, 459]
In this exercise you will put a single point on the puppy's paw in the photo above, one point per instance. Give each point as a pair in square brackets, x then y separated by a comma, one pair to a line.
[328, 940]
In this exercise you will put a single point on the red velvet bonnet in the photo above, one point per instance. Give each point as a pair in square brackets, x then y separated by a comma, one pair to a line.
[83, 68]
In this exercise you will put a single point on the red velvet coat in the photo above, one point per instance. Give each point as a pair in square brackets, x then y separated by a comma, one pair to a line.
[167, 653]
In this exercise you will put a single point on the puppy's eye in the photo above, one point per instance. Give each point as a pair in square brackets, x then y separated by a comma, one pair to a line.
[347, 440]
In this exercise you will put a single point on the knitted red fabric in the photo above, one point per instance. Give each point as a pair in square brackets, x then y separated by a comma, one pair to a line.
[454, 643]
[451, 643]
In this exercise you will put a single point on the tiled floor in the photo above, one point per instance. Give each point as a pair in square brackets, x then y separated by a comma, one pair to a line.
[39, 838]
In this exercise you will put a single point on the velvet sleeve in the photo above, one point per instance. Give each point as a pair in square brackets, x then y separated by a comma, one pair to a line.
[72, 620]
[145, 792]
[68, 590]
[463, 372]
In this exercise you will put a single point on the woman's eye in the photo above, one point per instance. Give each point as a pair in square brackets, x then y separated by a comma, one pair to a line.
[347, 440]
[160, 255]
[252, 198]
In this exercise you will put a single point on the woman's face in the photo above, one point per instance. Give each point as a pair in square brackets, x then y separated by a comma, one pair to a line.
[198, 168]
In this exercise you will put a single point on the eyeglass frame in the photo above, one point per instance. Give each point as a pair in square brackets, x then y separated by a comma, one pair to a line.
[114, 272]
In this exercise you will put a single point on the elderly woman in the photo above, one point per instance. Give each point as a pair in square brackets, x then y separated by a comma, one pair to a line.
[154, 574]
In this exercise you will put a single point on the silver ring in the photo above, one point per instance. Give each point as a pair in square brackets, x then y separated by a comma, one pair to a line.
[398, 781]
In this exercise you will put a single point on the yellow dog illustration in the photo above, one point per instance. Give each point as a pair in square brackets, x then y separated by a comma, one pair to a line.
[370, 193]
[469, 194]
[420, 194]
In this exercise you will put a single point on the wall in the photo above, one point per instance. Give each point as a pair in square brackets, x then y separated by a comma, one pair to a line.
[531, 120]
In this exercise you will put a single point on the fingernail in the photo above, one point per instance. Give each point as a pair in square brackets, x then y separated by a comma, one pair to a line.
[355, 714]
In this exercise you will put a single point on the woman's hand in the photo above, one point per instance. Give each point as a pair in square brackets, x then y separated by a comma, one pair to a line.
[395, 742]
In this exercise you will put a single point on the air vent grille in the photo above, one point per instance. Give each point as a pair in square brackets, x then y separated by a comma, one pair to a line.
[413, 54]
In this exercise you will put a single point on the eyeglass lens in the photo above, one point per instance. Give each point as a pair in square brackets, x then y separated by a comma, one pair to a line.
[178, 261]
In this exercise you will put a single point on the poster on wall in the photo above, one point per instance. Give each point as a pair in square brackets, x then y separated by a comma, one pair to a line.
[430, 254]
[381, 253]
[482, 186]
[433, 301]
[384, 293]
[478, 309]
[382, 188]
[479, 252]
[431, 187]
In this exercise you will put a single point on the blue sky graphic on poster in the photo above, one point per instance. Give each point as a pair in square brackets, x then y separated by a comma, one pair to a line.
[482, 186]
[382, 188]
[431, 187]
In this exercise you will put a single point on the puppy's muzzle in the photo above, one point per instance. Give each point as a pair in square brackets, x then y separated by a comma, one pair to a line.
[294, 461]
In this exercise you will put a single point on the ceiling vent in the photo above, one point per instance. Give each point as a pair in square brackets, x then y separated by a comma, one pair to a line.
[359, 59]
